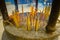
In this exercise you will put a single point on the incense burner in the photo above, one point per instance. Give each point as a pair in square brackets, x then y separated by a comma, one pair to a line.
[33, 20]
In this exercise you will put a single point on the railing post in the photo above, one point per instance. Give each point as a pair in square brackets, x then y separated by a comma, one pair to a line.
[16, 5]
[53, 16]
[3, 10]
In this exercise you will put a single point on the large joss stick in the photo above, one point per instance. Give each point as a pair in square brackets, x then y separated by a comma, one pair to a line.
[32, 15]
[22, 9]
[47, 11]
[28, 21]
[32, 11]
[16, 19]
[28, 24]
[16, 16]
[22, 13]
[37, 24]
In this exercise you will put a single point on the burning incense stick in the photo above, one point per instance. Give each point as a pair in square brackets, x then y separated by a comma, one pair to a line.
[22, 13]
[32, 14]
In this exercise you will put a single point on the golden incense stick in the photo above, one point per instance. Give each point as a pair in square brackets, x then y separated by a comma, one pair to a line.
[37, 25]
[16, 19]
[28, 23]
[32, 13]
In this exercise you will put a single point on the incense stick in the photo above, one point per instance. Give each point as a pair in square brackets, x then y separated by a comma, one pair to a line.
[28, 23]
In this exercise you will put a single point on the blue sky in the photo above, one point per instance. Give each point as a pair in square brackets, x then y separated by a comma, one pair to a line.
[27, 1]
[40, 3]
[12, 1]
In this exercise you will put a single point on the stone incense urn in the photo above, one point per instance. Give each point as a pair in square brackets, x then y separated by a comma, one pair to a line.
[34, 24]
